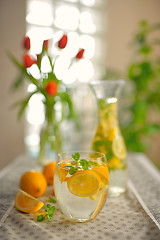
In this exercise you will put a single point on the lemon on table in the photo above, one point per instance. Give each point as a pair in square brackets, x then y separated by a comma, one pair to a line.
[119, 148]
[26, 203]
[34, 183]
[84, 183]
[48, 172]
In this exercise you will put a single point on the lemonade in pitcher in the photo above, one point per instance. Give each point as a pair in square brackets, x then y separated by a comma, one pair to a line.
[108, 138]
[81, 184]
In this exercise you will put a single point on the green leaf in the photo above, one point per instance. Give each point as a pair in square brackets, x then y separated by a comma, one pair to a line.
[72, 170]
[76, 156]
[16, 62]
[18, 81]
[85, 167]
[52, 200]
[66, 98]
[23, 104]
[68, 167]
[40, 218]
[84, 162]
[74, 163]
[50, 217]
[52, 208]
[47, 207]
[93, 163]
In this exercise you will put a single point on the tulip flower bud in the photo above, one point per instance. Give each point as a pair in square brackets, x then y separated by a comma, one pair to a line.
[80, 54]
[26, 43]
[28, 60]
[63, 42]
[51, 88]
[45, 45]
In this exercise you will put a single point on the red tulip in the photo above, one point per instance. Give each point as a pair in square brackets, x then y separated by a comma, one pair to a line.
[26, 43]
[28, 60]
[63, 42]
[45, 45]
[80, 54]
[51, 88]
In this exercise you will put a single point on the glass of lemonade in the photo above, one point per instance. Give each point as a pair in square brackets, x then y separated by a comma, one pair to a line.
[81, 184]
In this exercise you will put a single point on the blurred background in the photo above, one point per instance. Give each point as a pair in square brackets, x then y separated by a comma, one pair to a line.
[117, 23]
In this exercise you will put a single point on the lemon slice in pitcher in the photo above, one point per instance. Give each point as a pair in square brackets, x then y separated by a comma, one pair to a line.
[118, 147]
[84, 183]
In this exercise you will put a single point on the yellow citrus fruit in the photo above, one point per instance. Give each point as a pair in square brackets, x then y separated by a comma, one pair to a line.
[84, 183]
[62, 172]
[103, 173]
[114, 163]
[48, 172]
[34, 183]
[26, 203]
[112, 134]
[118, 147]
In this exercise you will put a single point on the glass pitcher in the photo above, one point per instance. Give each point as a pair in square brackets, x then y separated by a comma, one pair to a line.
[108, 138]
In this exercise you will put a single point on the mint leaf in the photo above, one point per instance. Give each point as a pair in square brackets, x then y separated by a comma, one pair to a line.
[85, 167]
[83, 162]
[52, 200]
[68, 167]
[76, 156]
[72, 170]
[74, 163]
[47, 207]
[40, 218]
[49, 218]
[93, 163]
[52, 209]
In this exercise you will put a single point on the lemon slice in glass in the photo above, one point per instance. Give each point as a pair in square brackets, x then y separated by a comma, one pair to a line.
[84, 183]
[118, 147]
[26, 203]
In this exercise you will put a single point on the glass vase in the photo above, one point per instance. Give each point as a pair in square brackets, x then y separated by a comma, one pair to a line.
[50, 138]
[108, 138]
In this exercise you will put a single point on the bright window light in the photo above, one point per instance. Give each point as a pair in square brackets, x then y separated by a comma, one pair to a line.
[34, 71]
[88, 43]
[32, 140]
[85, 70]
[37, 36]
[45, 65]
[40, 13]
[86, 23]
[31, 87]
[88, 2]
[35, 117]
[61, 66]
[72, 1]
[36, 101]
[67, 17]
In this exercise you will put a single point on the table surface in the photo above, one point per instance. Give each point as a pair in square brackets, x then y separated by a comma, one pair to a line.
[133, 215]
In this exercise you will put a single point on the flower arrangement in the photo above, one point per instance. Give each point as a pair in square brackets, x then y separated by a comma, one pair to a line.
[52, 89]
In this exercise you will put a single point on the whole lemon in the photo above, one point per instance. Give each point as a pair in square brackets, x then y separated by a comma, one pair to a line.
[34, 183]
[48, 172]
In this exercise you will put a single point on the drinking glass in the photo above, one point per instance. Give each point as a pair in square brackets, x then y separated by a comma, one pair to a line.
[81, 184]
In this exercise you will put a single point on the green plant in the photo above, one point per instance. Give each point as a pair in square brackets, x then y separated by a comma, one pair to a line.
[52, 89]
[49, 212]
[144, 72]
